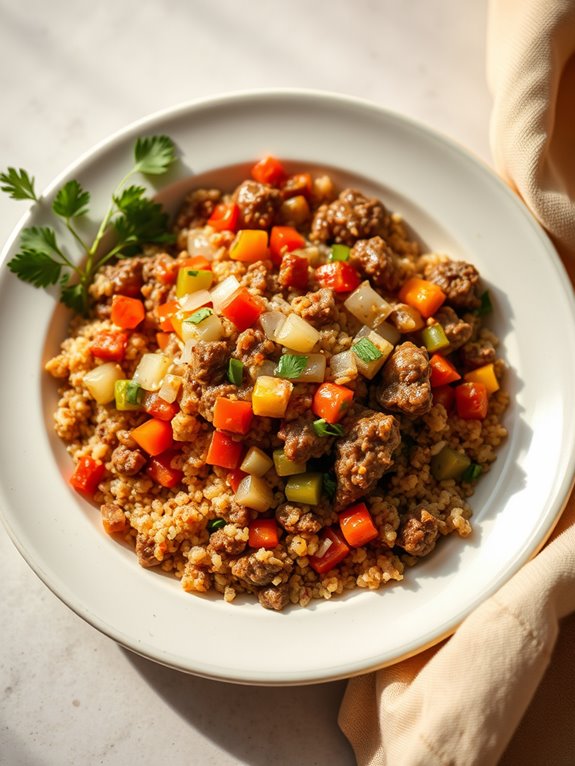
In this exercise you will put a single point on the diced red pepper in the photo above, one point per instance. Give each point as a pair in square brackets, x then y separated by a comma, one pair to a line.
[127, 313]
[263, 533]
[154, 436]
[88, 473]
[242, 308]
[357, 525]
[269, 170]
[224, 451]
[225, 217]
[160, 469]
[284, 239]
[336, 552]
[294, 271]
[109, 346]
[442, 371]
[471, 401]
[234, 416]
[234, 478]
[159, 408]
[444, 395]
[339, 276]
[331, 401]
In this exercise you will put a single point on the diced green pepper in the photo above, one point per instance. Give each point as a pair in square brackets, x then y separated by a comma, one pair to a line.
[304, 488]
[434, 338]
[284, 466]
[339, 253]
[191, 280]
[128, 395]
[472, 472]
[449, 464]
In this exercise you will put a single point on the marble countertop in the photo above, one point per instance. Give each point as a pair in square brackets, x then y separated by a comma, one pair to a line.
[71, 74]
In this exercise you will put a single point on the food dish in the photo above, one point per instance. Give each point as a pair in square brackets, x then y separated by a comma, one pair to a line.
[290, 401]
[421, 175]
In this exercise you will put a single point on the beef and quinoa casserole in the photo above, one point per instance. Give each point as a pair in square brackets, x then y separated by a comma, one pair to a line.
[291, 401]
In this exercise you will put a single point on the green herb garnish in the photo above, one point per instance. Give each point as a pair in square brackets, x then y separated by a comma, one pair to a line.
[329, 484]
[291, 366]
[135, 220]
[323, 428]
[485, 307]
[472, 472]
[134, 392]
[199, 315]
[339, 253]
[366, 350]
[214, 524]
[235, 371]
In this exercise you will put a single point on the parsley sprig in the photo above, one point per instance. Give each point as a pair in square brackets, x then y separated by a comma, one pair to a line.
[134, 219]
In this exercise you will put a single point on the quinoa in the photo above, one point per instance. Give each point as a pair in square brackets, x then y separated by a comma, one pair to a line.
[183, 509]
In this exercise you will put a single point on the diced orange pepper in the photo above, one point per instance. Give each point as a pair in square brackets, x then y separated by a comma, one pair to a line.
[249, 246]
[263, 533]
[234, 416]
[284, 239]
[154, 436]
[242, 308]
[127, 313]
[159, 408]
[162, 339]
[331, 401]
[225, 217]
[164, 314]
[224, 451]
[357, 525]
[269, 170]
[442, 371]
[423, 295]
[109, 346]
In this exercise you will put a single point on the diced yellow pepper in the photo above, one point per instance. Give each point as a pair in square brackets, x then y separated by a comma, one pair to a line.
[485, 375]
[304, 488]
[284, 466]
[270, 396]
[192, 280]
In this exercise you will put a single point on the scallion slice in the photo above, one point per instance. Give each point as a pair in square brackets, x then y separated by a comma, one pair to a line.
[366, 350]
[339, 253]
[323, 428]
[214, 524]
[199, 315]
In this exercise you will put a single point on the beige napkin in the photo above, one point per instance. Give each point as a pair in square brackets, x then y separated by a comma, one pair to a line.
[502, 689]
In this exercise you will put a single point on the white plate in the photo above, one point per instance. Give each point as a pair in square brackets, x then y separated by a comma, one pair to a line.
[456, 205]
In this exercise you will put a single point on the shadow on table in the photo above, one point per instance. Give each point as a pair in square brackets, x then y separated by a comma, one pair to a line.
[257, 725]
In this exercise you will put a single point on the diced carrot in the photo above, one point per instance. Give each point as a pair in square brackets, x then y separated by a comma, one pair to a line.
[164, 313]
[331, 401]
[88, 473]
[224, 451]
[471, 401]
[442, 371]
[263, 533]
[284, 239]
[242, 308]
[162, 339]
[333, 555]
[160, 469]
[127, 313]
[234, 478]
[154, 436]
[269, 170]
[225, 217]
[159, 408]
[357, 525]
[423, 295]
[234, 416]
[109, 346]
[249, 246]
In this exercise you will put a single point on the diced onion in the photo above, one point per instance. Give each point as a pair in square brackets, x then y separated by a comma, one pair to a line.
[186, 355]
[369, 368]
[200, 244]
[254, 492]
[297, 334]
[193, 301]
[101, 381]
[267, 368]
[343, 366]
[223, 290]
[324, 547]
[271, 322]
[151, 370]
[314, 371]
[209, 329]
[170, 388]
[256, 462]
[367, 305]
[388, 331]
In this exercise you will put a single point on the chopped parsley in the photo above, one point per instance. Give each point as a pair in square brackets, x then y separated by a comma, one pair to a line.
[199, 316]
[472, 472]
[366, 350]
[291, 366]
[235, 371]
[323, 428]
[485, 307]
[329, 484]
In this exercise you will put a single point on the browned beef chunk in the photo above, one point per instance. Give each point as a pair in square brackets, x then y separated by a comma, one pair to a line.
[238, 514]
[457, 330]
[404, 385]
[128, 461]
[197, 208]
[121, 278]
[261, 278]
[255, 571]
[350, 217]
[316, 307]
[297, 520]
[258, 204]
[145, 551]
[209, 362]
[477, 353]
[290, 271]
[253, 346]
[221, 542]
[301, 442]
[274, 597]
[364, 454]
[300, 400]
[459, 281]
[418, 532]
[375, 260]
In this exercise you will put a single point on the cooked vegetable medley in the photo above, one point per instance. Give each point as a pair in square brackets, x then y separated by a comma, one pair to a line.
[291, 401]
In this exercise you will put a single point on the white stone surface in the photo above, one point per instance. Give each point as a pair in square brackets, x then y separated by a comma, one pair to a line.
[70, 74]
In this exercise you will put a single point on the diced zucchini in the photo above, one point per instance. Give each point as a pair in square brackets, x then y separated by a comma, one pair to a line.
[191, 280]
[297, 334]
[304, 488]
[151, 370]
[367, 305]
[256, 462]
[286, 467]
[128, 395]
[449, 464]
[254, 492]
[270, 396]
[434, 338]
[208, 329]
[101, 381]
